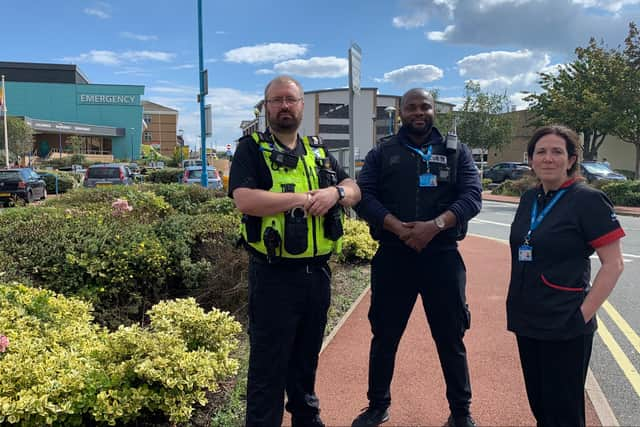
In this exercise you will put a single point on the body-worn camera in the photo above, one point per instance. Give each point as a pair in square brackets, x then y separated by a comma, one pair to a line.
[282, 159]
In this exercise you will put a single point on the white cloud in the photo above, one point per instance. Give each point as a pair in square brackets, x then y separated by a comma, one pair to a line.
[147, 55]
[272, 52]
[108, 57]
[502, 63]
[316, 67]
[140, 37]
[183, 67]
[550, 25]
[419, 73]
[100, 13]
[104, 57]
[408, 22]
[264, 71]
[439, 36]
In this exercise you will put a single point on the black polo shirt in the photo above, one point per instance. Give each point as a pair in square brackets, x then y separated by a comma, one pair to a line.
[249, 170]
[545, 294]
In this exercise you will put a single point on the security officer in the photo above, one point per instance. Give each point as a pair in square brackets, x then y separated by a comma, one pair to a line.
[288, 188]
[419, 190]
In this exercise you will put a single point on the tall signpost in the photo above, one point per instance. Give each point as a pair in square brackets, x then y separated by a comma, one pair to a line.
[3, 108]
[355, 58]
[204, 178]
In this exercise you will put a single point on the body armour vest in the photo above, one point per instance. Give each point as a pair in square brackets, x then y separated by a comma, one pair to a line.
[292, 234]
[401, 192]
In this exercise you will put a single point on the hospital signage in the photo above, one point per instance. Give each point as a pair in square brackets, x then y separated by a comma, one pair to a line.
[96, 99]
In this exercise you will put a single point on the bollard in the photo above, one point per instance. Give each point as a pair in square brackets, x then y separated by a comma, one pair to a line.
[56, 184]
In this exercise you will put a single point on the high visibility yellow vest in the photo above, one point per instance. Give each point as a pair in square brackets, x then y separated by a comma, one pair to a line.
[303, 178]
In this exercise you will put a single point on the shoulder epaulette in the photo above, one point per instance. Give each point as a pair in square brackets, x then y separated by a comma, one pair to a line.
[245, 138]
[385, 139]
[259, 137]
[315, 141]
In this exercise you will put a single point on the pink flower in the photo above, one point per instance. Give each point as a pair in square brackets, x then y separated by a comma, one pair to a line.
[4, 343]
[120, 206]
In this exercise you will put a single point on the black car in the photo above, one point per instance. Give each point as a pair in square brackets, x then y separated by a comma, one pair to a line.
[506, 170]
[22, 183]
[598, 171]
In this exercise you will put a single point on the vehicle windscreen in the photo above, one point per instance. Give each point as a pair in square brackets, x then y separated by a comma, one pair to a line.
[104, 173]
[9, 175]
[597, 168]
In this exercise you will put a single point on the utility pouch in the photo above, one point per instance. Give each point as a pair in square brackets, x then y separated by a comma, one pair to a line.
[295, 231]
[253, 225]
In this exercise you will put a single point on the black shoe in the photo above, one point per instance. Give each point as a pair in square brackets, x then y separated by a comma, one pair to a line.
[313, 421]
[371, 417]
[460, 421]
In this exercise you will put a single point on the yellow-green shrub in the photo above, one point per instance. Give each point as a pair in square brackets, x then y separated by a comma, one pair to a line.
[61, 369]
[357, 243]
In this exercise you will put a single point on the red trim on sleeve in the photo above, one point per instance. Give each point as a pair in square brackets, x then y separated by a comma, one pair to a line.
[562, 288]
[610, 237]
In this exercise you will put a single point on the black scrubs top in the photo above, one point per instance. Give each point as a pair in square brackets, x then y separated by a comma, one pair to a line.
[545, 294]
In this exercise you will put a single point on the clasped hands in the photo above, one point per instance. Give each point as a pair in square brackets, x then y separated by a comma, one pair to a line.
[417, 234]
[320, 201]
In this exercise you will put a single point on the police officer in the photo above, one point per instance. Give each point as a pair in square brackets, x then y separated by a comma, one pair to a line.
[289, 189]
[419, 190]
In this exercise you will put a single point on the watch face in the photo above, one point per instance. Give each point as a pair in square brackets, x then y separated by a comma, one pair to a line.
[439, 222]
[340, 193]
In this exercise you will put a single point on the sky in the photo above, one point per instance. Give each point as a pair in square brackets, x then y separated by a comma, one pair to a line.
[436, 44]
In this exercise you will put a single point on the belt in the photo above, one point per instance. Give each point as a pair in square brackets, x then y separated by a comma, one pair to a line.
[307, 264]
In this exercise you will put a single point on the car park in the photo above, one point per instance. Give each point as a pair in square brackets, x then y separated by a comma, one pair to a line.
[599, 171]
[107, 174]
[21, 183]
[506, 170]
[192, 175]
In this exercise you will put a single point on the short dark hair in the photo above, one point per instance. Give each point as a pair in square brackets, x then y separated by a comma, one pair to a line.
[416, 90]
[571, 139]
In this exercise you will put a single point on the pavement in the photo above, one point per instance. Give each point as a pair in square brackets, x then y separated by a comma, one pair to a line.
[418, 393]
[620, 210]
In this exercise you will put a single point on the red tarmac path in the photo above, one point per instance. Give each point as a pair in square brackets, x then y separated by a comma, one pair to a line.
[418, 395]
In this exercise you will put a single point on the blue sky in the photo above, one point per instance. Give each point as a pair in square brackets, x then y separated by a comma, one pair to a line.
[405, 43]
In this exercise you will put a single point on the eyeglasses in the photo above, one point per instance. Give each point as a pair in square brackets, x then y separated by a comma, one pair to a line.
[280, 101]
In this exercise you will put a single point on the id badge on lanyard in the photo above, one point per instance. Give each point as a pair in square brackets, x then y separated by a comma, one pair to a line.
[525, 251]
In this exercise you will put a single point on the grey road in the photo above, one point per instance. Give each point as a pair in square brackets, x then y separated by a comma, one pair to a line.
[616, 353]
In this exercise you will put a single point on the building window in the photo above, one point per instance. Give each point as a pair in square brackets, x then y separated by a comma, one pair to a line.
[341, 129]
[333, 144]
[147, 136]
[147, 119]
[334, 111]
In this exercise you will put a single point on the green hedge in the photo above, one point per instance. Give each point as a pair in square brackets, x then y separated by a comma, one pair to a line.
[124, 262]
[624, 193]
[61, 369]
[66, 181]
[165, 175]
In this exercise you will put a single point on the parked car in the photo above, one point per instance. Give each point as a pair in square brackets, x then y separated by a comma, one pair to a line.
[23, 183]
[506, 170]
[191, 162]
[76, 169]
[599, 171]
[192, 175]
[107, 174]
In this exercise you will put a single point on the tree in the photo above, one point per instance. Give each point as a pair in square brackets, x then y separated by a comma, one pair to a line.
[20, 136]
[480, 122]
[582, 95]
[628, 126]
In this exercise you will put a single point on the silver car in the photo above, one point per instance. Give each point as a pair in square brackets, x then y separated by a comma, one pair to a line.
[108, 174]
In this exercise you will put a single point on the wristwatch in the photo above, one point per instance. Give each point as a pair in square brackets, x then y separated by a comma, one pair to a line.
[340, 192]
[439, 222]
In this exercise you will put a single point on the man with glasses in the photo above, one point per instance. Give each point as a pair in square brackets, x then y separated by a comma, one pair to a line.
[289, 190]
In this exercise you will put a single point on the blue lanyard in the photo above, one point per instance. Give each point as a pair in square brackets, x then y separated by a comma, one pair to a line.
[536, 219]
[425, 157]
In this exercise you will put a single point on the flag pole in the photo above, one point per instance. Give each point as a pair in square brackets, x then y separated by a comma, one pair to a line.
[4, 116]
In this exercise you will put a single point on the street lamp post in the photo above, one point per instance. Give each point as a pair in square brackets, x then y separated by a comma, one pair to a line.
[204, 177]
[390, 110]
[181, 135]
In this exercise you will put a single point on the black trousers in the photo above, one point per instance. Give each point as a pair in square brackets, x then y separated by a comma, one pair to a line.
[554, 375]
[287, 317]
[398, 275]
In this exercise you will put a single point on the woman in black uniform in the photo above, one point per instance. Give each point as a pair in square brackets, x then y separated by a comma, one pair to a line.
[551, 303]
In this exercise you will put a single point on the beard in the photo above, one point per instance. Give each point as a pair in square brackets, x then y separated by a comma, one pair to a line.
[419, 131]
[285, 121]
